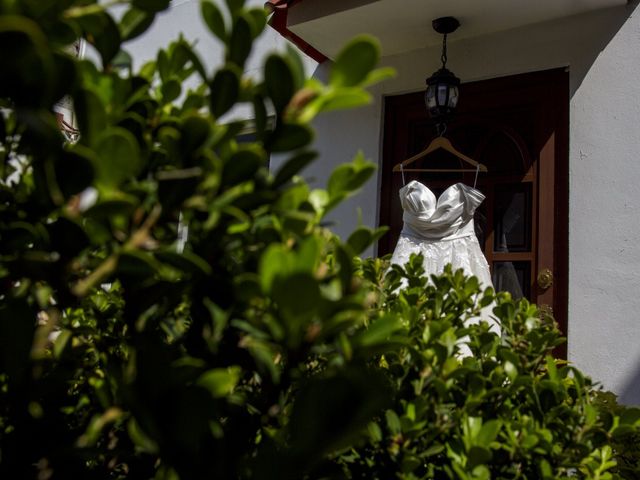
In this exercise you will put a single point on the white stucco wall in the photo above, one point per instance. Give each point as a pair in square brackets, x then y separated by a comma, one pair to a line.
[602, 51]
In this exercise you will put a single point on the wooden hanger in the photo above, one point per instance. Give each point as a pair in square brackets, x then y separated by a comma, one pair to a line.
[445, 144]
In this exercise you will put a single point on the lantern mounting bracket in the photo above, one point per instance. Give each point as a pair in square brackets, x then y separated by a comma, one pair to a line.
[445, 25]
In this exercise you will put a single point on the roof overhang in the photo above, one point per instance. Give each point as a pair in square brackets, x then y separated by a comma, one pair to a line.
[403, 25]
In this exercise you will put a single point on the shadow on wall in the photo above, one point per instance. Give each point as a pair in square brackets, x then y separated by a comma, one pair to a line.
[601, 30]
[630, 394]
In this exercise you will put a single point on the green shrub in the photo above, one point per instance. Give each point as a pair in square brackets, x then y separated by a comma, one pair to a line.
[125, 351]
[510, 410]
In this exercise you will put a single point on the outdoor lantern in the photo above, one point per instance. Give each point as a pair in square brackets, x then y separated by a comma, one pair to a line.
[441, 96]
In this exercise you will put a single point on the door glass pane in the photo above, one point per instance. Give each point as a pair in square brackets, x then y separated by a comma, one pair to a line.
[512, 277]
[512, 218]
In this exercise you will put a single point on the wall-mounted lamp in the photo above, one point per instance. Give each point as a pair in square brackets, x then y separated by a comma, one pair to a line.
[441, 96]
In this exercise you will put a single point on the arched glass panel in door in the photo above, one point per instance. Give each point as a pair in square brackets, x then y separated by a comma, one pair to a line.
[510, 205]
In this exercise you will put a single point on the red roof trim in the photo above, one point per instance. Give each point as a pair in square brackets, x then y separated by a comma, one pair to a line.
[279, 23]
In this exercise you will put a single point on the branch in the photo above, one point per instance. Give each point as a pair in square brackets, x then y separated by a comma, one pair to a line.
[108, 266]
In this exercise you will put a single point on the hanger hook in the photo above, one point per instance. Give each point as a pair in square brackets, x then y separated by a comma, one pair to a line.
[441, 128]
[475, 180]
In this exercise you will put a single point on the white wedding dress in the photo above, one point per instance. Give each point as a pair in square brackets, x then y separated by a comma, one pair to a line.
[442, 230]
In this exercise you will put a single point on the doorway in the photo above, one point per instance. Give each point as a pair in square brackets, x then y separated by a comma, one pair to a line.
[518, 127]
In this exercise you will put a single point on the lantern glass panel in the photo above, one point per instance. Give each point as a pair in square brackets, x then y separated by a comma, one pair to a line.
[442, 95]
[453, 97]
[431, 97]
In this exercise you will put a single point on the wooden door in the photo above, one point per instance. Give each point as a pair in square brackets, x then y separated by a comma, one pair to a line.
[518, 127]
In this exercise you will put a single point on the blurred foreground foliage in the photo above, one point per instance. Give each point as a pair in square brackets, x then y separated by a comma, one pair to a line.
[171, 308]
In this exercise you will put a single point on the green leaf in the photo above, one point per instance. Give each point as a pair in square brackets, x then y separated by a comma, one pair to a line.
[27, 62]
[511, 370]
[289, 136]
[240, 41]
[175, 186]
[410, 463]
[630, 416]
[433, 450]
[260, 115]
[61, 342]
[134, 23]
[162, 64]
[80, 162]
[220, 382]
[481, 472]
[134, 263]
[488, 432]
[552, 370]
[344, 99]
[293, 166]
[185, 50]
[275, 261]
[225, 89]
[122, 61]
[478, 456]
[258, 20]
[171, 90]
[103, 33]
[308, 254]
[360, 239]
[378, 332]
[355, 61]
[118, 157]
[344, 260]
[140, 438]
[62, 33]
[530, 441]
[214, 19]
[17, 327]
[224, 133]
[242, 165]
[375, 433]
[297, 222]
[297, 67]
[329, 413]
[193, 102]
[235, 6]
[546, 471]
[91, 114]
[186, 261]
[178, 58]
[347, 178]
[195, 130]
[107, 209]
[623, 431]
[378, 75]
[393, 422]
[298, 298]
[279, 81]
[68, 237]
[3, 127]
[148, 70]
